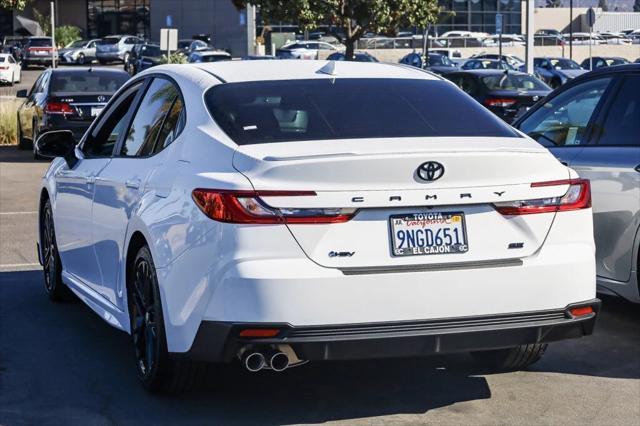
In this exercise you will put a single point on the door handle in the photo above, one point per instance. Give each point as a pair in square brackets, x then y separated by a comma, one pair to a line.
[132, 183]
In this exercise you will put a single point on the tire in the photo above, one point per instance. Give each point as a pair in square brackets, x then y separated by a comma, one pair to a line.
[34, 138]
[511, 359]
[25, 66]
[125, 58]
[81, 59]
[52, 266]
[157, 372]
[22, 142]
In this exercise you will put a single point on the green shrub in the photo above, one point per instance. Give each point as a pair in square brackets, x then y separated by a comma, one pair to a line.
[8, 129]
[66, 34]
[176, 58]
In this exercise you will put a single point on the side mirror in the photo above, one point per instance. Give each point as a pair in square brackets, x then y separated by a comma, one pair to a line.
[22, 93]
[57, 143]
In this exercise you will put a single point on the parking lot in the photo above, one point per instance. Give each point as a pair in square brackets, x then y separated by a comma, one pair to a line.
[60, 364]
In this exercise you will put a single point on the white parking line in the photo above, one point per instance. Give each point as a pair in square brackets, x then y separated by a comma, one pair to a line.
[18, 265]
[10, 213]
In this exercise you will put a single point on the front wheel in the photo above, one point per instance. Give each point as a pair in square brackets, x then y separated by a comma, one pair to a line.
[156, 370]
[81, 59]
[52, 266]
[510, 359]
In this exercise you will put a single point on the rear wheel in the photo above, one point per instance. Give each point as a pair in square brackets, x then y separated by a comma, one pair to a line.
[81, 59]
[52, 266]
[516, 358]
[156, 371]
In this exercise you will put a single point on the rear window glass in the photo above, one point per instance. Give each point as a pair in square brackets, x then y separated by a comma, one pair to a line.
[215, 58]
[109, 40]
[40, 42]
[299, 110]
[2, 59]
[150, 51]
[513, 82]
[87, 82]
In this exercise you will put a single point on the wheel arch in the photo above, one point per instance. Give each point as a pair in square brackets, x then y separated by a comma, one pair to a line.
[44, 195]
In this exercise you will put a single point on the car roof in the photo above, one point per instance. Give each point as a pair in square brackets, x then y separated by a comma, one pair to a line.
[625, 68]
[488, 72]
[285, 69]
[75, 70]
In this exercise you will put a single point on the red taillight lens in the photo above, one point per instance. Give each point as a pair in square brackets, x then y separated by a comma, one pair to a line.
[580, 312]
[577, 197]
[58, 108]
[259, 332]
[248, 207]
[499, 102]
[4, 67]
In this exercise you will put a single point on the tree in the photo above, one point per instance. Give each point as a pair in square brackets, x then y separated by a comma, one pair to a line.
[66, 34]
[353, 18]
[13, 4]
[636, 6]
[602, 4]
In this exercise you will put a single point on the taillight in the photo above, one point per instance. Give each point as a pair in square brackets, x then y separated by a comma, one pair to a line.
[577, 197]
[58, 108]
[4, 67]
[499, 102]
[249, 207]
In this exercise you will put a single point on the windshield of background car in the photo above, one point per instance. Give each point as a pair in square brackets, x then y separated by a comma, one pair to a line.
[513, 82]
[616, 61]
[215, 58]
[85, 81]
[77, 43]
[564, 64]
[349, 108]
[150, 51]
[40, 42]
[109, 40]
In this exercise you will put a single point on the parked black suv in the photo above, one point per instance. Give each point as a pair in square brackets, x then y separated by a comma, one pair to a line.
[38, 51]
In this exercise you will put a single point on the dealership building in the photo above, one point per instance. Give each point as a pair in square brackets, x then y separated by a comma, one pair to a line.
[97, 18]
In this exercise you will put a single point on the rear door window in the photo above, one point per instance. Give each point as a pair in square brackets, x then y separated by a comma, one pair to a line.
[563, 120]
[149, 118]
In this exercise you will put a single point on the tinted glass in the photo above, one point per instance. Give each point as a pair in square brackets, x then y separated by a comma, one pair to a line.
[2, 58]
[214, 58]
[109, 40]
[102, 140]
[78, 43]
[84, 81]
[513, 82]
[173, 123]
[563, 120]
[564, 64]
[622, 124]
[149, 118]
[297, 110]
[40, 42]
[152, 51]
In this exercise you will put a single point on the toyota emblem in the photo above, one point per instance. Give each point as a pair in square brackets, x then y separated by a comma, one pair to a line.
[430, 171]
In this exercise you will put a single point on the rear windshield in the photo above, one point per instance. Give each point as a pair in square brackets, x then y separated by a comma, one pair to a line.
[2, 59]
[322, 109]
[40, 42]
[564, 64]
[85, 81]
[152, 51]
[215, 58]
[513, 82]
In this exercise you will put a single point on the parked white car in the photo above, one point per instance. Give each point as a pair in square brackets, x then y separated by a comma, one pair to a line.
[10, 70]
[585, 39]
[314, 210]
[306, 50]
[615, 38]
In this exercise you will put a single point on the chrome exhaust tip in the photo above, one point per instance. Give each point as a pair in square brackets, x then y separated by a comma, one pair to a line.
[253, 361]
[279, 361]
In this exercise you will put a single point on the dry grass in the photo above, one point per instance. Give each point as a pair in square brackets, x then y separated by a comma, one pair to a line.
[8, 130]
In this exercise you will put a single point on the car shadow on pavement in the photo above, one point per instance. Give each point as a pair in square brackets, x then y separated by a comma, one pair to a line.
[11, 154]
[60, 361]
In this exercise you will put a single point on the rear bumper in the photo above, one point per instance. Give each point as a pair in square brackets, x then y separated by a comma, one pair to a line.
[221, 341]
[78, 128]
[38, 60]
[110, 56]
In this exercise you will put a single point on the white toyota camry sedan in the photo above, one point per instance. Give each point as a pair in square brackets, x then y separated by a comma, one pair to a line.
[289, 211]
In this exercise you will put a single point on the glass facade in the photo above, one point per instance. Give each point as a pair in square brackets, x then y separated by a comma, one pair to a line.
[106, 17]
[480, 16]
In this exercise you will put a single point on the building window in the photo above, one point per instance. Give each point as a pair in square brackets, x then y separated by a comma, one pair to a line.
[105, 17]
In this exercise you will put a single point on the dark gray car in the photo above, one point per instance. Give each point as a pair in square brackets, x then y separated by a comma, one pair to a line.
[593, 125]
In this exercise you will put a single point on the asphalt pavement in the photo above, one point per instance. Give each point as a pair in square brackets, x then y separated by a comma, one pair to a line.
[61, 364]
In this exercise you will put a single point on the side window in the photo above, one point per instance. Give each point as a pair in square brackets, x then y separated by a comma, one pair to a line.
[10, 59]
[469, 86]
[103, 138]
[563, 120]
[149, 118]
[622, 124]
[34, 88]
[91, 45]
[173, 124]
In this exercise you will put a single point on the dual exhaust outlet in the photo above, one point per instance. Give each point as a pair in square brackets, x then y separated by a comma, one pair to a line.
[254, 360]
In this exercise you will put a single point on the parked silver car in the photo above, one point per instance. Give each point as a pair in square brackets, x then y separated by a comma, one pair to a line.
[78, 52]
[593, 125]
[116, 48]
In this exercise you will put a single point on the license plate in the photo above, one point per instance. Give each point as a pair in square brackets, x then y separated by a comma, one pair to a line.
[428, 233]
[41, 52]
[95, 111]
